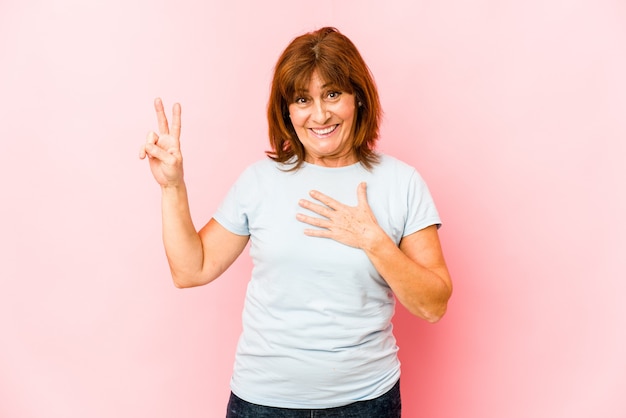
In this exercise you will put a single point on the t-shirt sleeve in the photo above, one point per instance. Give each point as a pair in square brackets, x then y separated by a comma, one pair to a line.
[422, 211]
[232, 213]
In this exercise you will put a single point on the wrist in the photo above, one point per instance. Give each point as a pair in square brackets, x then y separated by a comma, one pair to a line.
[174, 191]
[376, 240]
[173, 186]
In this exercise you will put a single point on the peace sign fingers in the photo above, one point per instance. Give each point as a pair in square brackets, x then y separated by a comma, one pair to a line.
[166, 162]
[164, 127]
[161, 118]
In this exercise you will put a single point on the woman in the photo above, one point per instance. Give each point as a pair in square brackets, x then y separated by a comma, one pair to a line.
[336, 231]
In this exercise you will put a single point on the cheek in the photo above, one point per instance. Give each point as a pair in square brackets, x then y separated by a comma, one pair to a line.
[349, 116]
[347, 109]
[297, 118]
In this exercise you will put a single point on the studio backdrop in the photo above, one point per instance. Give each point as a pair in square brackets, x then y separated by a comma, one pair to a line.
[514, 112]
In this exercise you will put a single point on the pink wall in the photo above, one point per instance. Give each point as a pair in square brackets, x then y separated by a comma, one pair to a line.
[514, 112]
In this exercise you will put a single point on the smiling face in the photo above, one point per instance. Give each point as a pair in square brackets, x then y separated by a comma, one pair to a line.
[323, 117]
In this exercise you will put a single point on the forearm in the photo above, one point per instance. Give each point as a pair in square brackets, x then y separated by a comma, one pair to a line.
[183, 245]
[423, 291]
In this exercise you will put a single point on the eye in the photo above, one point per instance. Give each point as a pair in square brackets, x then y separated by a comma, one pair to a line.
[300, 100]
[334, 95]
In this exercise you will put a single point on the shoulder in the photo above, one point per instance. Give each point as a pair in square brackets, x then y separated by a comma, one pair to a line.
[393, 165]
[399, 174]
[262, 167]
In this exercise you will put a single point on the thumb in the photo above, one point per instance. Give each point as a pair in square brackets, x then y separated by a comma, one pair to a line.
[361, 193]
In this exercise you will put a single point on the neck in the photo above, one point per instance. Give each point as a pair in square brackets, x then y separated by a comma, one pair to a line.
[336, 161]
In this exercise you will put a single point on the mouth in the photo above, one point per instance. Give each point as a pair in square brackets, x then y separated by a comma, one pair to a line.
[324, 132]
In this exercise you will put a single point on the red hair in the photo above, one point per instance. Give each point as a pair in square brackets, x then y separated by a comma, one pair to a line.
[338, 62]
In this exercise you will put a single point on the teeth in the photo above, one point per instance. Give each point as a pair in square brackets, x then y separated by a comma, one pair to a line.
[324, 131]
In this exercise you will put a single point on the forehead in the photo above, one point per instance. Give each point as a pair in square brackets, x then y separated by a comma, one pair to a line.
[314, 82]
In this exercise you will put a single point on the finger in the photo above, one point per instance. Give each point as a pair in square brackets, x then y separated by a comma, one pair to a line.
[314, 207]
[151, 138]
[161, 118]
[320, 233]
[328, 201]
[160, 154]
[321, 223]
[361, 193]
[176, 111]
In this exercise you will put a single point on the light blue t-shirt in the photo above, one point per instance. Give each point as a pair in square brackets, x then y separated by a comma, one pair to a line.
[317, 329]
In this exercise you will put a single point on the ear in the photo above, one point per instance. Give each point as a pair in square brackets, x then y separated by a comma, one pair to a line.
[358, 100]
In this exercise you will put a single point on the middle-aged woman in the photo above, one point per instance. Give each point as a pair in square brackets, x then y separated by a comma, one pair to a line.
[337, 231]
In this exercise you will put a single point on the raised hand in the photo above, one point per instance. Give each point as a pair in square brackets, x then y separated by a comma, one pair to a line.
[163, 149]
[355, 226]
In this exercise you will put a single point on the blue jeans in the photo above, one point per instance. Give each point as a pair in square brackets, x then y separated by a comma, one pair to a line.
[385, 406]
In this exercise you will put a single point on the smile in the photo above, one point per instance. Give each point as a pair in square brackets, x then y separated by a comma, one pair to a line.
[324, 131]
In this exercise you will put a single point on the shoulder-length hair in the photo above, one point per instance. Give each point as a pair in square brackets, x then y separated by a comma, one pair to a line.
[338, 62]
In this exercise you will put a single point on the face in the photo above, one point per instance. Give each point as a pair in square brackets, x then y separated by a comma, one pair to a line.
[323, 117]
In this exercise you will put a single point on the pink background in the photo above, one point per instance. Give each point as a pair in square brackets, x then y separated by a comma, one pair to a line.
[513, 111]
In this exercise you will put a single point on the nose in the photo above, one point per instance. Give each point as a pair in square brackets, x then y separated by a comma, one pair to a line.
[320, 113]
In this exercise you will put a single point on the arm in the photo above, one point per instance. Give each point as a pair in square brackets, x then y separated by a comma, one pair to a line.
[415, 271]
[195, 258]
